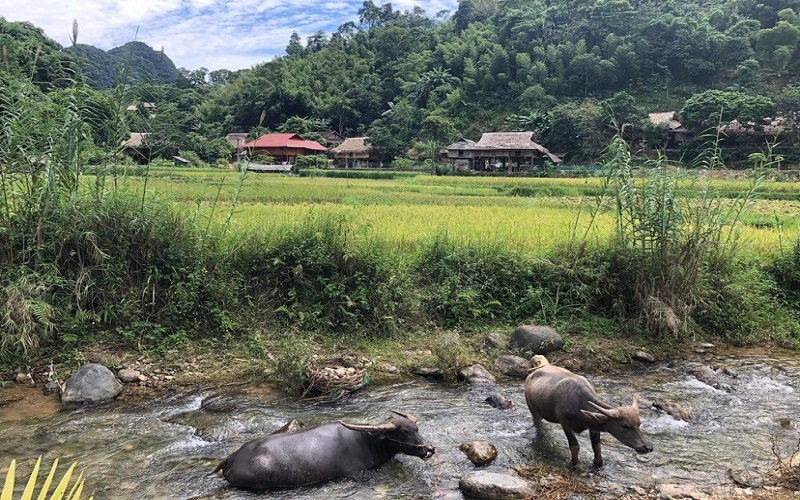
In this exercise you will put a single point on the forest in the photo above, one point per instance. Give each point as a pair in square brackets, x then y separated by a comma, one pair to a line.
[575, 72]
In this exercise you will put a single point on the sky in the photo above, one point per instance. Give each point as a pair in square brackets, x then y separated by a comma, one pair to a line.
[213, 34]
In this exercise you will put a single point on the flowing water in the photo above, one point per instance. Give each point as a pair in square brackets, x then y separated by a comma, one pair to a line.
[166, 447]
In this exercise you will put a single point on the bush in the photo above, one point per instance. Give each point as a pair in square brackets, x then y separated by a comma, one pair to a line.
[315, 277]
[311, 161]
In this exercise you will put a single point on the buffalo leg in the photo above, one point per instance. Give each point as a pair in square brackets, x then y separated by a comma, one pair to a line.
[573, 445]
[598, 457]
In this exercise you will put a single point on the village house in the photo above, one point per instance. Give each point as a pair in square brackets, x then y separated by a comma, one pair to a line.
[136, 147]
[284, 148]
[237, 140]
[499, 151]
[674, 133]
[331, 137]
[354, 152]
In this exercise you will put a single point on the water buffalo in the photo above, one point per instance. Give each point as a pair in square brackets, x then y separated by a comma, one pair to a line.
[558, 395]
[321, 453]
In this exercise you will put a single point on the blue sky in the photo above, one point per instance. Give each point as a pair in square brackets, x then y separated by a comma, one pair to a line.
[197, 33]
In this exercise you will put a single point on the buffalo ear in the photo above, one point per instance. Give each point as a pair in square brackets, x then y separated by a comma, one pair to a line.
[597, 418]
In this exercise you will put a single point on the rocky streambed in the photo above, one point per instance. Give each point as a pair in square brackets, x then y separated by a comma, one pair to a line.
[718, 422]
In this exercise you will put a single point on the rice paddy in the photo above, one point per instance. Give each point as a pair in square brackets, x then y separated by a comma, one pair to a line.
[530, 215]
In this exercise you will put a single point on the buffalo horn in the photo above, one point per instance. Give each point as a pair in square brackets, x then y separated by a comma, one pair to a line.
[408, 416]
[609, 412]
[372, 429]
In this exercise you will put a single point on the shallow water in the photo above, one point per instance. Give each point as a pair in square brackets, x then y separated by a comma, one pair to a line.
[165, 448]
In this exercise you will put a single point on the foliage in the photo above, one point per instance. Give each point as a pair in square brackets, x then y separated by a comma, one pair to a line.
[711, 107]
[311, 161]
[62, 490]
[315, 276]
[674, 258]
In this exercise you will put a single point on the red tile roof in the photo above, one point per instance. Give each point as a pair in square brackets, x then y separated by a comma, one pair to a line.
[284, 141]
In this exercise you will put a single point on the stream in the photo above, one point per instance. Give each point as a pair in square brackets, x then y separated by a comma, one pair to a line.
[166, 447]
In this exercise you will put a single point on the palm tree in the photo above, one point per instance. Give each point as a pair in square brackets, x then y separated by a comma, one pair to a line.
[431, 82]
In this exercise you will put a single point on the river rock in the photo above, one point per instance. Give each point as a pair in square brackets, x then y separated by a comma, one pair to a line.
[495, 486]
[679, 411]
[292, 425]
[496, 340]
[51, 387]
[479, 452]
[643, 356]
[680, 491]
[499, 401]
[536, 339]
[513, 366]
[429, 372]
[92, 383]
[709, 377]
[477, 374]
[129, 375]
[745, 478]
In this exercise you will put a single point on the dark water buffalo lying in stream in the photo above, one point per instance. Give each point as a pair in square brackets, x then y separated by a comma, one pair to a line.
[558, 395]
[321, 453]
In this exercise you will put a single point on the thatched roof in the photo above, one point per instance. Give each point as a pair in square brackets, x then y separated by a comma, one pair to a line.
[462, 144]
[513, 140]
[670, 118]
[775, 126]
[136, 140]
[353, 146]
[237, 138]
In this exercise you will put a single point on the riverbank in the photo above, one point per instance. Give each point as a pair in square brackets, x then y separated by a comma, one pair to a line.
[215, 368]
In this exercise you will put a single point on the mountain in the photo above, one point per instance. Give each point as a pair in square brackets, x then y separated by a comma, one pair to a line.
[140, 62]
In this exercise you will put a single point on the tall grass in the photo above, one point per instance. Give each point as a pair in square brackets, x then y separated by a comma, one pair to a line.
[676, 257]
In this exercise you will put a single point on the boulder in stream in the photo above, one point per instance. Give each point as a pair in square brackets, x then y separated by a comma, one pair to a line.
[495, 486]
[479, 452]
[92, 383]
[477, 374]
[499, 401]
[678, 411]
[513, 366]
[536, 339]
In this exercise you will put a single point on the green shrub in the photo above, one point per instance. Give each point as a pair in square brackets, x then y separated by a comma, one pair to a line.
[311, 161]
[316, 277]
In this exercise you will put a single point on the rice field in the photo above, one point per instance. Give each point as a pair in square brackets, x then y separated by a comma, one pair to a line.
[408, 211]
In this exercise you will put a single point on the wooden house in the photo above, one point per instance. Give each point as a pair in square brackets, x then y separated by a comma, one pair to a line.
[354, 152]
[283, 147]
[137, 147]
[674, 132]
[499, 152]
[460, 153]
[332, 138]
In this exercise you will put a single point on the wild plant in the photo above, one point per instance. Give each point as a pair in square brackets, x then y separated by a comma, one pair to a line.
[672, 238]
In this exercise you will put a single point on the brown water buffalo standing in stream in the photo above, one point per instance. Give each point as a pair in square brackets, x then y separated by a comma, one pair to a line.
[557, 395]
[321, 453]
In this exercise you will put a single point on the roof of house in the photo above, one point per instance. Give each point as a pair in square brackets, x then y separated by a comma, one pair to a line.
[512, 140]
[285, 141]
[462, 144]
[237, 138]
[144, 105]
[135, 140]
[668, 117]
[353, 145]
[331, 136]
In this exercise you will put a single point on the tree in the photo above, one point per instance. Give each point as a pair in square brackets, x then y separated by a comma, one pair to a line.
[708, 108]
[295, 47]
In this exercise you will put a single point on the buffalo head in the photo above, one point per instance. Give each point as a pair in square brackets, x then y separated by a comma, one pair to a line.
[623, 423]
[401, 432]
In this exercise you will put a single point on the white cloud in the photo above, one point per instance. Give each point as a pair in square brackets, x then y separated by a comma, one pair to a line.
[210, 33]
